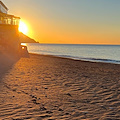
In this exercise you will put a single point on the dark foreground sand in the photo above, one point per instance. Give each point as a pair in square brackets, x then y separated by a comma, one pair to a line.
[51, 88]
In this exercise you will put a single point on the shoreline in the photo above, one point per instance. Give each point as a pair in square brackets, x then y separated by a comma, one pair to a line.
[49, 87]
[99, 62]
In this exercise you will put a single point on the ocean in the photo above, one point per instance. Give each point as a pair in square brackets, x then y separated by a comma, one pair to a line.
[95, 53]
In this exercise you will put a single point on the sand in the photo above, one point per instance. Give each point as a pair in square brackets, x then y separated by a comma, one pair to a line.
[51, 88]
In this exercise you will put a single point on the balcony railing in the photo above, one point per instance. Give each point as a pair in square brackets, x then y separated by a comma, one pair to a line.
[9, 19]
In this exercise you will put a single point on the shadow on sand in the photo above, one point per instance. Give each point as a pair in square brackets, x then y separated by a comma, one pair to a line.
[6, 63]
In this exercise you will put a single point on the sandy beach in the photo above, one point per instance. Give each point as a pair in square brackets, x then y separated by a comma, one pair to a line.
[51, 88]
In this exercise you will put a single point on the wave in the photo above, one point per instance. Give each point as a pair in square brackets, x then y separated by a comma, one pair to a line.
[91, 59]
[80, 58]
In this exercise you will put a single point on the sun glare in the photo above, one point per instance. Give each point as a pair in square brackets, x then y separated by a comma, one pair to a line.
[24, 44]
[23, 27]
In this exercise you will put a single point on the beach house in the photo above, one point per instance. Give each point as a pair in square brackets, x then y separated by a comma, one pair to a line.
[3, 8]
[9, 34]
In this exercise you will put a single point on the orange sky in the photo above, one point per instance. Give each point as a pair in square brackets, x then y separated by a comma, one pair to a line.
[69, 21]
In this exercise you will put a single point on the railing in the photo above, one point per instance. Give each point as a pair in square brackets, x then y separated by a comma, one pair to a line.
[9, 19]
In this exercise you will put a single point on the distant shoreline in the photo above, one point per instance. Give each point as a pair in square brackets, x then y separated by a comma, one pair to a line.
[77, 44]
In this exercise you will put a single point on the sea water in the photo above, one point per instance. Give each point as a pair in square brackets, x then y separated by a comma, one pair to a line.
[95, 53]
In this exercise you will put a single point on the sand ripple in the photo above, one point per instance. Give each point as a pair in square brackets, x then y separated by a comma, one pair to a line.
[51, 88]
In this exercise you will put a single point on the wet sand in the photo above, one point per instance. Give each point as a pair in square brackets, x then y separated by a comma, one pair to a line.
[51, 88]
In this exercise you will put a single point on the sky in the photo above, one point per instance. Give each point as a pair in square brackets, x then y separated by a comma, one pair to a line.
[69, 21]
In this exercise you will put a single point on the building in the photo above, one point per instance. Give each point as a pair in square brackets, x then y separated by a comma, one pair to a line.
[9, 34]
[7, 18]
[3, 8]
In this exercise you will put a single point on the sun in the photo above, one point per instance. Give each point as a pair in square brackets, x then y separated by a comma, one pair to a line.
[23, 27]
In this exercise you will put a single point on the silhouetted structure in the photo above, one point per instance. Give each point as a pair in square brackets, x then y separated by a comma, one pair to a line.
[9, 34]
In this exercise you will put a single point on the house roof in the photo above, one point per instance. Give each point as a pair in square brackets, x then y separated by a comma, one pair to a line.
[3, 5]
